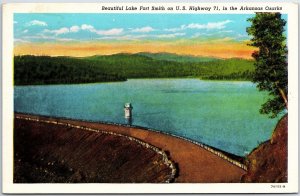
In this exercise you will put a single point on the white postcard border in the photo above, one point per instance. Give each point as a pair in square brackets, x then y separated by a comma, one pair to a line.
[7, 113]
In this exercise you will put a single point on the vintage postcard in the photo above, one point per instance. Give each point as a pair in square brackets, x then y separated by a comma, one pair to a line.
[150, 98]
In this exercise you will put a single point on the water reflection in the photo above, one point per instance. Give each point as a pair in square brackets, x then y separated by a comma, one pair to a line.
[224, 111]
[129, 121]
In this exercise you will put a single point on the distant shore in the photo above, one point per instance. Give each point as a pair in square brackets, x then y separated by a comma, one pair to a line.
[71, 70]
[194, 162]
[145, 78]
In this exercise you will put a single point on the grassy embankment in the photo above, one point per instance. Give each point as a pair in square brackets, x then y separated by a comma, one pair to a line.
[31, 70]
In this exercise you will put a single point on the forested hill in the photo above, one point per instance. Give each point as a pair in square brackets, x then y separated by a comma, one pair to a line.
[119, 67]
[177, 58]
[30, 70]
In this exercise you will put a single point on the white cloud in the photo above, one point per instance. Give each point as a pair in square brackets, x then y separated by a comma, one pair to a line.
[196, 35]
[174, 29]
[62, 30]
[21, 41]
[74, 29]
[172, 35]
[25, 31]
[84, 27]
[15, 22]
[36, 23]
[88, 28]
[226, 31]
[217, 33]
[142, 36]
[124, 37]
[63, 39]
[110, 32]
[143, 30]
[242, 37]
[114, 31]
[207, 26]
[45, 37]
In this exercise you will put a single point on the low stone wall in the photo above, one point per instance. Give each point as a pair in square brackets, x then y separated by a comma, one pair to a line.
[206, 147]
[165, 158]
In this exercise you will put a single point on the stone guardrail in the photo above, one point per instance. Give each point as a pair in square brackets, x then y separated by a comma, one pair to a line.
[206, 147]
[165, 158]
[216, 152]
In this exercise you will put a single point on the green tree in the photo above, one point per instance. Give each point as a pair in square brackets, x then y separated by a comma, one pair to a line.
[271, 68]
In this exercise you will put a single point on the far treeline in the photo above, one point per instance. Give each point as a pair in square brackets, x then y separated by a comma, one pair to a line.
[31, 70]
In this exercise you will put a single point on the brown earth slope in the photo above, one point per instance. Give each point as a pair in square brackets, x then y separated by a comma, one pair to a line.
[268, 162]
[194, 163]
[48, 153]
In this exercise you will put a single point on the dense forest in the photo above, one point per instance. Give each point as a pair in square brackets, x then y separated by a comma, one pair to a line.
[30, 69]
[58, 70]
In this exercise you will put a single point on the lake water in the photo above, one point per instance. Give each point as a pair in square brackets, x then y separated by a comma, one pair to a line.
[223, 114]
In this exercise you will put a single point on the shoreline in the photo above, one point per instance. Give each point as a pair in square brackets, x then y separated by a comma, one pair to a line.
[150, 78]
[229, 155]
[220, 166]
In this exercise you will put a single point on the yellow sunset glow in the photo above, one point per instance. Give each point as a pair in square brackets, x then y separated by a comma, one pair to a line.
[217, 49]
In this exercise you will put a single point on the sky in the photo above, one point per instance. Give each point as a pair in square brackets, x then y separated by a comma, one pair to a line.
[210, 35]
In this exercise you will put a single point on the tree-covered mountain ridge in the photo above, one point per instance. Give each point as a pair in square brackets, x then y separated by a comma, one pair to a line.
[31, 70]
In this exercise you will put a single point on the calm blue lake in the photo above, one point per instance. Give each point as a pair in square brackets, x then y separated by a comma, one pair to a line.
[223, 114]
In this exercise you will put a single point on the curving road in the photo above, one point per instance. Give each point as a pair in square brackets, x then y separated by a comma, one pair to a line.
[195, 164]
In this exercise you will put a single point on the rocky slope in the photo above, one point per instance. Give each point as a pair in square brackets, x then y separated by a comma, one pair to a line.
[268, 162]
[49, 153]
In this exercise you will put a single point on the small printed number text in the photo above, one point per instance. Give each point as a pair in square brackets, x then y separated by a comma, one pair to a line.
[278, 186]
